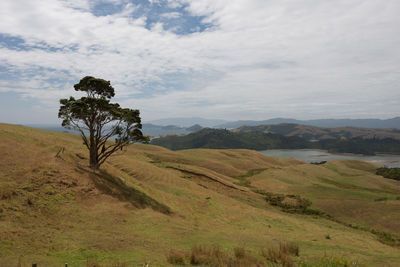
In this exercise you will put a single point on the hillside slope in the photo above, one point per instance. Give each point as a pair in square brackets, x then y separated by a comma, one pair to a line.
[148, 200]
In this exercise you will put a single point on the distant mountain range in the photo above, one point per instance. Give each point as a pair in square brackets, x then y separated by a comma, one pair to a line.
[326, 123]
[189, 125]
[147, 129]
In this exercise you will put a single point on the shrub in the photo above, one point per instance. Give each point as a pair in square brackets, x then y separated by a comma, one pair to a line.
[203, 255]
[286, 260]
[271, 254]
[319, 163]
[214, 256]
[244, 259]
[282, 254]
[7, 192]
[391, 173]
[176, 257]
[239, 252]
[289, 248]
[290, 203]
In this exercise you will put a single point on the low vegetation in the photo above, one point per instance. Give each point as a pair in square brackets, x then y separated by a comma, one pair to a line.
[330, 262]
[283, 254]
[291, 203]
[391, 173]
[176, 257]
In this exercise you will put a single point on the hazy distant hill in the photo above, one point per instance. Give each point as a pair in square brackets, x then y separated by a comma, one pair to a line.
[318, 133]
[51, 127]
[187, 122]
[147, 128]
[152, 129]
[329, 123]
[194, 128]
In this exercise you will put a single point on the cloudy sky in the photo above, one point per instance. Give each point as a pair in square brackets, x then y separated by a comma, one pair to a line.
[226, 59]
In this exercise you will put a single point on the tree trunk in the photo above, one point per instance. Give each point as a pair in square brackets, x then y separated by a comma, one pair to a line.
[94, 160]
[94, 164]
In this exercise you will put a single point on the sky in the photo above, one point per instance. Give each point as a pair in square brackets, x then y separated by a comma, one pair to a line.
[217, 59]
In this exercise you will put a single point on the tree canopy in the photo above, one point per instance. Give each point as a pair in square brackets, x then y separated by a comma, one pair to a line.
[98, 120]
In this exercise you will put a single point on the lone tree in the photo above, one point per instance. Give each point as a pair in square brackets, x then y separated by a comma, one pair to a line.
[98, 120]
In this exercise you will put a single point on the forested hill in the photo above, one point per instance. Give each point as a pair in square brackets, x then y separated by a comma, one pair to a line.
[221, 138]
[258, 140]
[318, 133]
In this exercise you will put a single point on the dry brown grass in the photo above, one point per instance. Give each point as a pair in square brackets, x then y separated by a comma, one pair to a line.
[289, 248]
[201, 255]
[281, 254]
[176, 257]
[214, 256]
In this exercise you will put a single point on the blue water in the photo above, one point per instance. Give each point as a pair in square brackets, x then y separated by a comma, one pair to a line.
[309, 155]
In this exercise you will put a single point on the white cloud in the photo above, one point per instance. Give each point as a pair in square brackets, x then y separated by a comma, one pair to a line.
[259, 59]
[171, 15]
[175, 3]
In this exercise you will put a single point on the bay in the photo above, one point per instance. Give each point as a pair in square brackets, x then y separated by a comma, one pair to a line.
[313, 155]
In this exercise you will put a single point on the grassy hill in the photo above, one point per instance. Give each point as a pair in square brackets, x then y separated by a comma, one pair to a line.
[149, 203]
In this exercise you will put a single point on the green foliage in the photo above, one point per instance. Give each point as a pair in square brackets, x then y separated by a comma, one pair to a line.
[391, 173]
[360, 145]
[319, 162]
[94, 86]
[291, 203]
[257, 140]
[219, 138]
[387, 238]
[98, 120]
